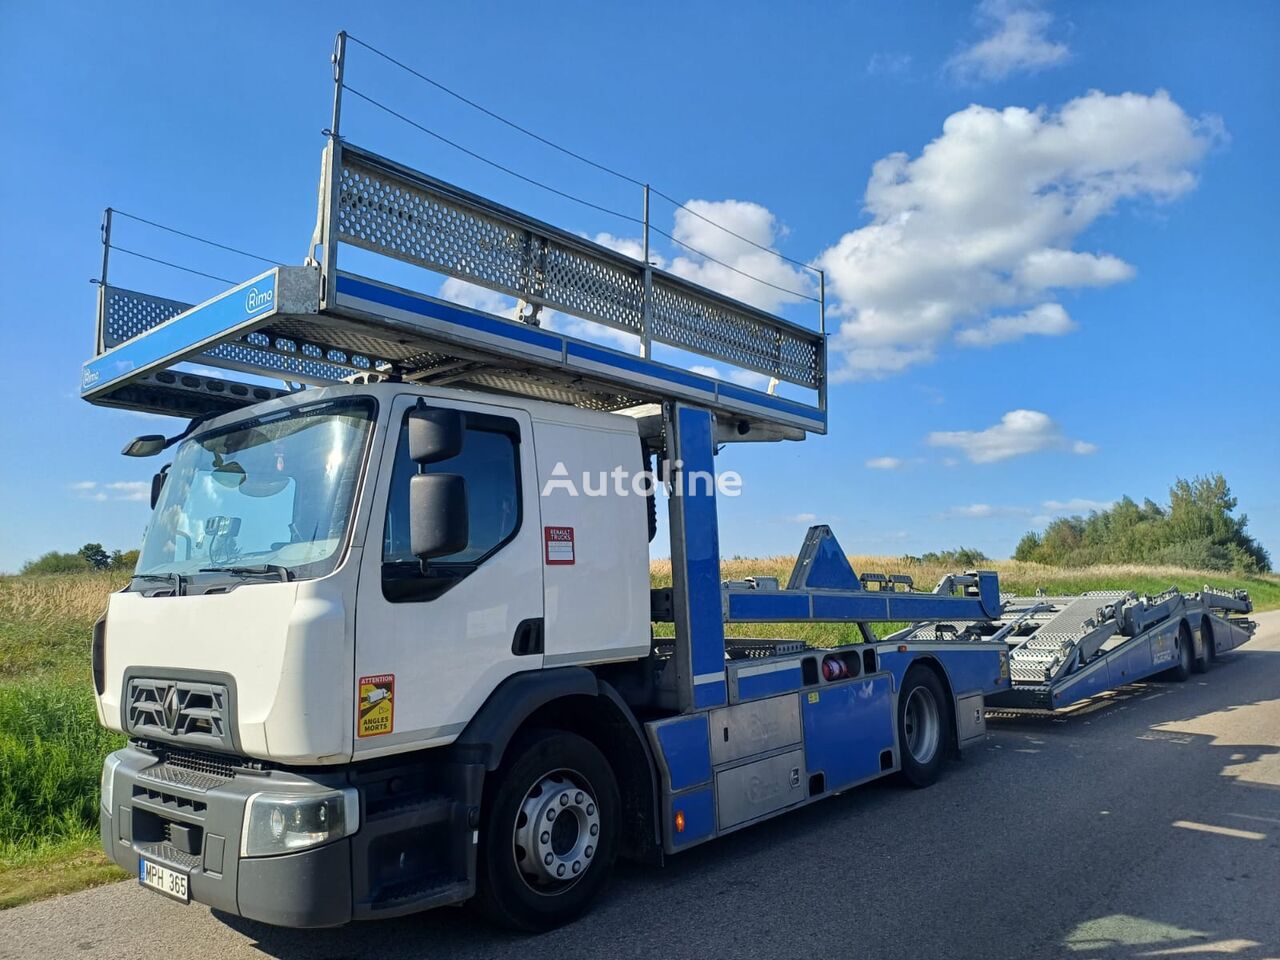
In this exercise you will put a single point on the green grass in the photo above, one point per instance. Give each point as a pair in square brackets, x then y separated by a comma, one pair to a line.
[51, 746]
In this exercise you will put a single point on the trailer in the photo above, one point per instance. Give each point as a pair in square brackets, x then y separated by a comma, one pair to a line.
[379, 655]
[1066, 649]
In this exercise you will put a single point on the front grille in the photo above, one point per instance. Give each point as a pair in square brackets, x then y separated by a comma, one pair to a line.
[206, 763]
[193, 710]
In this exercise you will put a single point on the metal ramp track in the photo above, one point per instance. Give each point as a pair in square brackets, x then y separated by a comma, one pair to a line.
[314, 324]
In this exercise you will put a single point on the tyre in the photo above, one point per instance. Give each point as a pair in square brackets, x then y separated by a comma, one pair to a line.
[1185, 653]
[1200, 663]
[924, 726]
[1210, 644]
[549, 836]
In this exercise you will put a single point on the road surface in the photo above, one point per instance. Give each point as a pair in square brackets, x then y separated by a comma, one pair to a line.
[1147, 825]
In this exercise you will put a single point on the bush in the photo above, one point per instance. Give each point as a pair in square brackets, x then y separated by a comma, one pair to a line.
[963, 558]
[1196, 530]
[55, 562]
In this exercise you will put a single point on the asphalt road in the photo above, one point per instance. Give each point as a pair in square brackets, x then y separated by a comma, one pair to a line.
[1146, 825]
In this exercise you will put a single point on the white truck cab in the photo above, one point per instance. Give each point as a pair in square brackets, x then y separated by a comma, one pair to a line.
[306, 501]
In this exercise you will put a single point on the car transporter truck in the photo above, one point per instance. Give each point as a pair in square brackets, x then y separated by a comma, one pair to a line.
[376, 657]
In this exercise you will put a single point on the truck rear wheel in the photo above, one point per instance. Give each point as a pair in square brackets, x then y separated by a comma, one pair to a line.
[923, 726]
[548, 839]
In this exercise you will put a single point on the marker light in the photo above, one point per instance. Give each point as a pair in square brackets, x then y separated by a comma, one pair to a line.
[679, 821]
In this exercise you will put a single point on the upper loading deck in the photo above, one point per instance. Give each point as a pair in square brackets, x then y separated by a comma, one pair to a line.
[316, 324]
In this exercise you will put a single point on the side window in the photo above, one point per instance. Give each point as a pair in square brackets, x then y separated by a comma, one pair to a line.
[490, 464]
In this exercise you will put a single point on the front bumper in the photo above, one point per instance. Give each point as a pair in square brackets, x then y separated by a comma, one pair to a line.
[188, 815]
[414, 847]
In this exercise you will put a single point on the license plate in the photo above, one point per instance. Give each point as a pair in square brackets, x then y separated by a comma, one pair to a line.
[169, 882]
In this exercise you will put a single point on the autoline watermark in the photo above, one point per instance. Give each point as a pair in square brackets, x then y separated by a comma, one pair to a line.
[621, 482]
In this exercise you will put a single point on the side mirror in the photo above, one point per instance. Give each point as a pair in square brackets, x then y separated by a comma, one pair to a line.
[435, 434]
[157, 484]
[437, 515]
[145, 446]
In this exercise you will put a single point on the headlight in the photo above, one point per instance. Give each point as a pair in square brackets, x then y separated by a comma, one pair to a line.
[104, 783]
[280, 823]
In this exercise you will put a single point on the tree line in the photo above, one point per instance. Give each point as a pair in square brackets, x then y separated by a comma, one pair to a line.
[1196, 529]
[92, 556]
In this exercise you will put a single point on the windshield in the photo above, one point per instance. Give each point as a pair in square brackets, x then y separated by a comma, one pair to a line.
[273, 494]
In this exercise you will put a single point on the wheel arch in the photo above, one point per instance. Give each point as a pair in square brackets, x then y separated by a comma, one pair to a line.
[575, 700]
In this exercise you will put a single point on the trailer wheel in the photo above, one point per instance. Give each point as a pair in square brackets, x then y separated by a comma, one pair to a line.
[1210, 644]
[1200, 663]
[548, 838]
[1186, 653]
[923, 726]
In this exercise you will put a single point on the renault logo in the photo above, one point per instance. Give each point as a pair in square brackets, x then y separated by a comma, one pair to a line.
[170, 707]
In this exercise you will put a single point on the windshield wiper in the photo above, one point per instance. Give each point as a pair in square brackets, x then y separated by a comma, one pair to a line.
[255, 570]
[174, 578]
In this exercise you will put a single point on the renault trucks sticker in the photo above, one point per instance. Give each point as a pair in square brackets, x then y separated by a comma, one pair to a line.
[377, 708]
[559, 544]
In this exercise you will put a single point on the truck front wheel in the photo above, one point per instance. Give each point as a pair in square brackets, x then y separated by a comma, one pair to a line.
[549, 835]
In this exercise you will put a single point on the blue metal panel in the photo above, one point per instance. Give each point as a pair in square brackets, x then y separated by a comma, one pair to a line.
[186, 334]
[701, 555]
[756, 398]
[686, 750]
[699, 810]
[710, 693]
[1083, 685]
[878, 605]
[770, 682]
[829, 568]
[969, 668]
[846, 727]
[768, 605]
[469, 320]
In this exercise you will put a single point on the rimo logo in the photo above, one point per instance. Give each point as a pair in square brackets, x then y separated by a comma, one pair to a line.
[256, 299]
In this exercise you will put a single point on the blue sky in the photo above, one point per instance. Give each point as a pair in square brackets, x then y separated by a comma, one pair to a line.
[1049, 232]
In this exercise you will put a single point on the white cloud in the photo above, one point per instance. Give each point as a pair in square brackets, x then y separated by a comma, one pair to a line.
[984, 219]
[632, 247]
[983, 510]
[783, 283]
[1046, 320]
[744, 378]
[129, 490]
[1017, 42]
[1043, 269]
[115, 490]
[1019, 432]
[479, 298]
[804, 518]
[889, 64]
[1077, 505]
[884, 463]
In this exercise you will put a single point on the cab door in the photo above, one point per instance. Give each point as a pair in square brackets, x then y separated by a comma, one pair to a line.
[432, 645]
